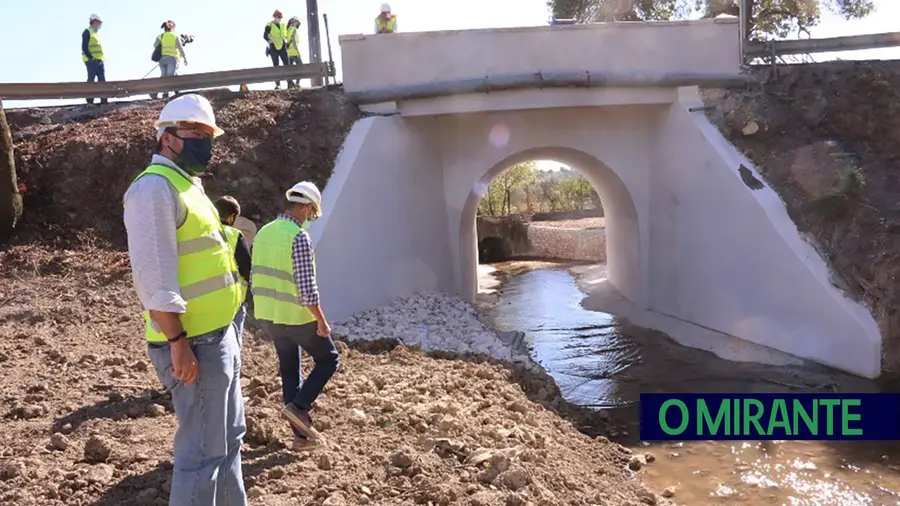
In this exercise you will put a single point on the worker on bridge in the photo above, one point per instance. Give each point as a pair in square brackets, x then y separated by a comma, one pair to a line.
[286, 304]
[229, 211]
[92, 53]
[275, 35]
[171, 50]
[293, 47]
[386, 22]
[185, 277]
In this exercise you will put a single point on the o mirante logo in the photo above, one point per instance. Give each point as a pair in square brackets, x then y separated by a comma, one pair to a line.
[770, 416]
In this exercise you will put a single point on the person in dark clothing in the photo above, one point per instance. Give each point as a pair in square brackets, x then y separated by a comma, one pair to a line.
[275, 34]
[229, 210]
[92, 53]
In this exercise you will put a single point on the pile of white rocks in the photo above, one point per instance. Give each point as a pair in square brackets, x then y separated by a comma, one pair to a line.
[434, 321]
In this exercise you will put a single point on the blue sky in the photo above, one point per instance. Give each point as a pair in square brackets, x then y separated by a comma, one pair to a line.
[229, 32]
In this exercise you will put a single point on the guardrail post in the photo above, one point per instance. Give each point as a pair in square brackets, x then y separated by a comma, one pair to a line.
[743, 16]
[315, 46]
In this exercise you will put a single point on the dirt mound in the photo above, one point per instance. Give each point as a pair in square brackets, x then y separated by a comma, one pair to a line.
[76, 162]
[825, 137]
[85, 422]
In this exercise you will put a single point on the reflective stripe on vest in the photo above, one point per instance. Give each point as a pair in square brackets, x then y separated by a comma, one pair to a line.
[231, 236]
[207, 272]
[389, 25]
[291, 43]
[276, 34]
[275, 295]
[94, 47]
[169, 43]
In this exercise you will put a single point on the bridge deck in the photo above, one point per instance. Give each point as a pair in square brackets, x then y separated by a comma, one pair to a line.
[404, 59]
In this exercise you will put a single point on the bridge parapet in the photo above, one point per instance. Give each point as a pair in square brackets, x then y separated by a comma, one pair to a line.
[404, 59]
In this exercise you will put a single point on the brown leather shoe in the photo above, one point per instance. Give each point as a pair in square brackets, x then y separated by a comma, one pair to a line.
[300, 419]
[300, 444]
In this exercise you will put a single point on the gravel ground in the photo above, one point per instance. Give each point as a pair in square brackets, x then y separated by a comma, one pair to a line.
[583, 223]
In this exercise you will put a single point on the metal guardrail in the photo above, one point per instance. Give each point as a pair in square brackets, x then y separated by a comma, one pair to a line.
[119, 89]
[826, 45]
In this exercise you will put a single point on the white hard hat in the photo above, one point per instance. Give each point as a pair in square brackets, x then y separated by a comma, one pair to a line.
[187, 108]
[385, 7]
[306, 192]
[95, 17]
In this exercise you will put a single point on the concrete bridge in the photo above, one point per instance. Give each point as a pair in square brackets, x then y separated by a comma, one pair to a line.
[686, 236]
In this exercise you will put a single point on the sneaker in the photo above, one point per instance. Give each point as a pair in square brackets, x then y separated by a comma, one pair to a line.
[302, 444]
[300, 419]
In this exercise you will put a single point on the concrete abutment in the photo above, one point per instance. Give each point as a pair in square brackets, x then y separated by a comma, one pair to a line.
[685, 236]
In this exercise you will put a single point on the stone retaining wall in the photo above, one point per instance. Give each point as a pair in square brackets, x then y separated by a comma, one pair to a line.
[567, 243]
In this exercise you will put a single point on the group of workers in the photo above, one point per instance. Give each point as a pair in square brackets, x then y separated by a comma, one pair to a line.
[192, 270]
[283, 45]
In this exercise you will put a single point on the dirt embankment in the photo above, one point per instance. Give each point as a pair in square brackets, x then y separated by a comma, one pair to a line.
[76, 162]
[84, 420]
[827, 142]
[82, 413]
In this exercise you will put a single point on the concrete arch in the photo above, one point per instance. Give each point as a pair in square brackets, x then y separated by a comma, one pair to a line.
[622, 227]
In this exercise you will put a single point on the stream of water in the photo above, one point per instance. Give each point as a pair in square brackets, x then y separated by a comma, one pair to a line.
[604, 363]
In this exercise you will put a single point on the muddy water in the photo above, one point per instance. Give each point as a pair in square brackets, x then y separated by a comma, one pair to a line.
[601, 362]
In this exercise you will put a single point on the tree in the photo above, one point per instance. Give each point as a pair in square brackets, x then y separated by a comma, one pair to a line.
[575, 191]
[10, 198]
[768, 18]
[502, 188]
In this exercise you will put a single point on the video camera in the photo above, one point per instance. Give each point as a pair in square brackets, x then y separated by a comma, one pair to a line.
[186, 39]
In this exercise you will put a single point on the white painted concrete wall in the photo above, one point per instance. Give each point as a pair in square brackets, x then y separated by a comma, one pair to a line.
[685, 236]
[383, 231]
[383, 60]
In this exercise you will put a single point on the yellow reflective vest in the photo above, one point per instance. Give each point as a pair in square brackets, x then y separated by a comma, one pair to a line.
[207, 271]
[169, 43]
[276, 34]
[231, 236]
[386, 26]
[275, 295]
[292, 49]
[94, 47]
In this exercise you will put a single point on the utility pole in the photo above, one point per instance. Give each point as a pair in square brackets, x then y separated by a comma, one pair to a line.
[315, 45]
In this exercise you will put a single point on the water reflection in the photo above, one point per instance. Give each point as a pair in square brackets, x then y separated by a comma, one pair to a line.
[600, 361]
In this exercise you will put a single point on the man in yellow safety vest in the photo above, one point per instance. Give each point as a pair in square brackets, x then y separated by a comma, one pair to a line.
[386, 22]
[286, 304]
[92, 53]
[275, 35]
[293, 47]
[229, 211]
[185, 277]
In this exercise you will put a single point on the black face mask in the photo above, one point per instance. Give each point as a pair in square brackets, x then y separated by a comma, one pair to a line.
[195, 155]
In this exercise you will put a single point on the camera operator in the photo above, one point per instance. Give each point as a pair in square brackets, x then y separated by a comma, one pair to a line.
[171, 49]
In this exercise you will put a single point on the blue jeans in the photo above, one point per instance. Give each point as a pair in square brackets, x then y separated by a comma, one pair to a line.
[239, 319]
[167, 66]
[290, 341]
[96, 71]
[211, 426]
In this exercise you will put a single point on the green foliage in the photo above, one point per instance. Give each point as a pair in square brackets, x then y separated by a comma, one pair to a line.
[768, 18]
[524, 189]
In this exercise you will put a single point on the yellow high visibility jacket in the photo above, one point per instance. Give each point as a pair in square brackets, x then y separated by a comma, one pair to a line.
[207, 271]
[169, 43]
[95, 47]
[275, 295]
[276, 34]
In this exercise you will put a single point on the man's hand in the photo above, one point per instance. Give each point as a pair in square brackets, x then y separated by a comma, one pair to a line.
[323, 330]
[184, 362]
